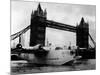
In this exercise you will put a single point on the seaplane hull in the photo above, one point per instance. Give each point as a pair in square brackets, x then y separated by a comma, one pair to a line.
[53, 57]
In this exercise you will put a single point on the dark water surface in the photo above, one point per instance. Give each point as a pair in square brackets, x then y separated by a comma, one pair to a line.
[26, 68]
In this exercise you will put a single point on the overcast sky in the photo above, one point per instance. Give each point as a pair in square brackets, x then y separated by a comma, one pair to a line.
[65, 13]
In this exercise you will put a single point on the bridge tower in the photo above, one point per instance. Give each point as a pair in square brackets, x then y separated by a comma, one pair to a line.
[38, 27]
[82, 32]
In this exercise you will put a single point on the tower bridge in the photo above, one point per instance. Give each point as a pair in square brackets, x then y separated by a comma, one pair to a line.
[38, 25]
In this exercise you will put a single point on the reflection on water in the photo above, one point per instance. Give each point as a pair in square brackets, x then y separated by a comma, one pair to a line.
[25, 67]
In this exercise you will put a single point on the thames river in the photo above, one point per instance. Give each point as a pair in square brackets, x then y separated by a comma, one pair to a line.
[22, 67]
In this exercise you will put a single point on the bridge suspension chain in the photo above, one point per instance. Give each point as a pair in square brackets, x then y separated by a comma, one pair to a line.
[92, 40]
[14, 36]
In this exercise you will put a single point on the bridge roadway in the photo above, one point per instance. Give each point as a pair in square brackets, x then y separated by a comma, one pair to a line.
[61, 26]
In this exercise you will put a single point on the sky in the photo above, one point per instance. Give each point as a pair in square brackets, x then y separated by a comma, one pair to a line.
[64, 13]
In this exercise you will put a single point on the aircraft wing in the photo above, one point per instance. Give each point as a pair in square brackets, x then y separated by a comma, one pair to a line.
[25, 50]
[34, 49]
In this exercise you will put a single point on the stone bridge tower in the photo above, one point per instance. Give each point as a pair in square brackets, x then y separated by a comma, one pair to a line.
[38, 26]
[82, 32]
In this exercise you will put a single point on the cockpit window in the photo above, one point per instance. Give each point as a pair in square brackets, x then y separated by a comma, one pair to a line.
[58, 48]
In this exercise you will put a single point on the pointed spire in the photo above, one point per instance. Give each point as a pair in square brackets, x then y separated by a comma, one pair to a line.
[39, 7]
[45, 13]
[82, 20]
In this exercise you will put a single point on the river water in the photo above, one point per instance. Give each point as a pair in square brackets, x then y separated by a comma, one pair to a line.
[22, 67]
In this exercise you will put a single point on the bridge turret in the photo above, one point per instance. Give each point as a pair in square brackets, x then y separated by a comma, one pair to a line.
[82, 33]
[39, 10]
[82, 21]
[38, 27]
[45, 13]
